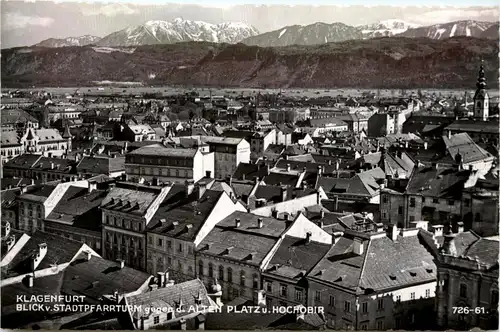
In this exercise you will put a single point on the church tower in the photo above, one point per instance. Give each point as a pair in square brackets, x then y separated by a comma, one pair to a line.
[481, 98]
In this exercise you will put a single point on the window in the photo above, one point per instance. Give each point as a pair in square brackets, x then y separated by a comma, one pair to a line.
[255, 282]
[169, 261]
[385, 199]
[451, 202]
[270, 287]
[169, 244]
[400, 210]
[160, 243]
[317, 295]
[412, 296]
[384, 215]
[283, 291]
[427, 293]
[298, 295]
[180, 247]
[397, 323]
[200, 267]
[242, 278]
[380, 305]
[221, 272]
[364, 326]
[347, 306]
[467, 202]
[380, 325]
[157, 320]
[332, 301]
[412, 202]
[435, 200]
[463, 290]
[494, 298]
[412, 218]
[229, 274]
[210, 270]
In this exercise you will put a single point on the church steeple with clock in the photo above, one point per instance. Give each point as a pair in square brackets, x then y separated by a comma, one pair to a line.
[481, 98]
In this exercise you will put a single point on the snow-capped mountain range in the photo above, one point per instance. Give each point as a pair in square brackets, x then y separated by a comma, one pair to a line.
[452, 29]
[179, 30]
[69, 41]
[386, 28]
[317, 33]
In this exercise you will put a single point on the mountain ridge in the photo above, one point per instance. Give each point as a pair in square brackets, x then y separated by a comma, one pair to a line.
[371, 63]
[69, 41]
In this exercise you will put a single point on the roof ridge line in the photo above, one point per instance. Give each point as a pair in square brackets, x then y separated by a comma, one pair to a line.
[364, 263]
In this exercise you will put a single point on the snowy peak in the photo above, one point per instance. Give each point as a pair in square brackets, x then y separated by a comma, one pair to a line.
[453, 29]
[69, 41]
[317, 33]
[179, 30]
[386, 28]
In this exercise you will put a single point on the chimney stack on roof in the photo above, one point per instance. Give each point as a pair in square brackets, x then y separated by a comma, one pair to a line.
[283, 193]
[29, 280]
[437, 230]
[237, 222]
[449, 247]
[121, 263]
[160, 277]
[260, 222]
[460, 227]
[308, 237]
[202, 187]
[288, 167]
[188, 187]
[336, 236]
[358, 247]
[320, 170]
[393, 232]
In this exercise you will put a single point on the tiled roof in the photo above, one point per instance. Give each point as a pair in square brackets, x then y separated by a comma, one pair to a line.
[160, 150]
[130, 198]
[24, 161]
[295, 257]
[80, 208]
[59, 251]
[222, 140]
[428, 181]
[100, 165]
[248, 243]
[281, 179]
[463, 241]
[97, 277]
[273, 193]
[464, 145]
[169, 297]
[249, 171]
[474, 126]
[48, 135]
[363, 184]
[9, 138]
[486, 251]
[60, 165]
[181, 217]
[13, 116]
[311, 167]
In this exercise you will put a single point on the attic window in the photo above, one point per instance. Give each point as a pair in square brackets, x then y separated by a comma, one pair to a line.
[339, 279]
[429, 270]
[413, 274]
[393, 277]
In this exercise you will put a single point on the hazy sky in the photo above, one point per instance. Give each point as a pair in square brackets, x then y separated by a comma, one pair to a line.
[27, 23]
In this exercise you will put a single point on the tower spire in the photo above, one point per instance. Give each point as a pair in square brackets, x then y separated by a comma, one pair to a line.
[481, 98]
[481, 80]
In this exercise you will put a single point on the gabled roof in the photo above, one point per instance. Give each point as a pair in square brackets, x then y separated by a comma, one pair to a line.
[99, 165]
[9, 138]
[464, 145]
[182, 217]
[160, 150]
[24, 161]
[445, 183]
[130, 198]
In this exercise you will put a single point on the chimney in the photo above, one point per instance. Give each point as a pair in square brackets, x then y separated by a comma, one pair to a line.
[188, 187]
[460, 227]
[229, 180]
[260, 222]
[358, 247]
[153, 287]
[288, 167]
[308, 237]
[29, 280]
[125, 146]
[202, 187]
[5, 229]
[425, 145]
[449, 134]
[161, 279]
[182, 323]
[208, 174]
[92, 186]
[257, 179]
[380, 227]
[393, 232]
[320, 170]
[322, 214]
[321, 224]
[37, 257]
[121, 263]
[200, 322]
[471, 168]
[286, 157]
[437, 230]
[237, 222]
[88, 255]
[335, 203]
[274, 213]
[449, 247]
[10, 242]
[283, 193]
[23, 188]
[336, 236]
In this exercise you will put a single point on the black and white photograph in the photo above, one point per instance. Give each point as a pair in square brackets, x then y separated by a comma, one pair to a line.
[245, 165]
